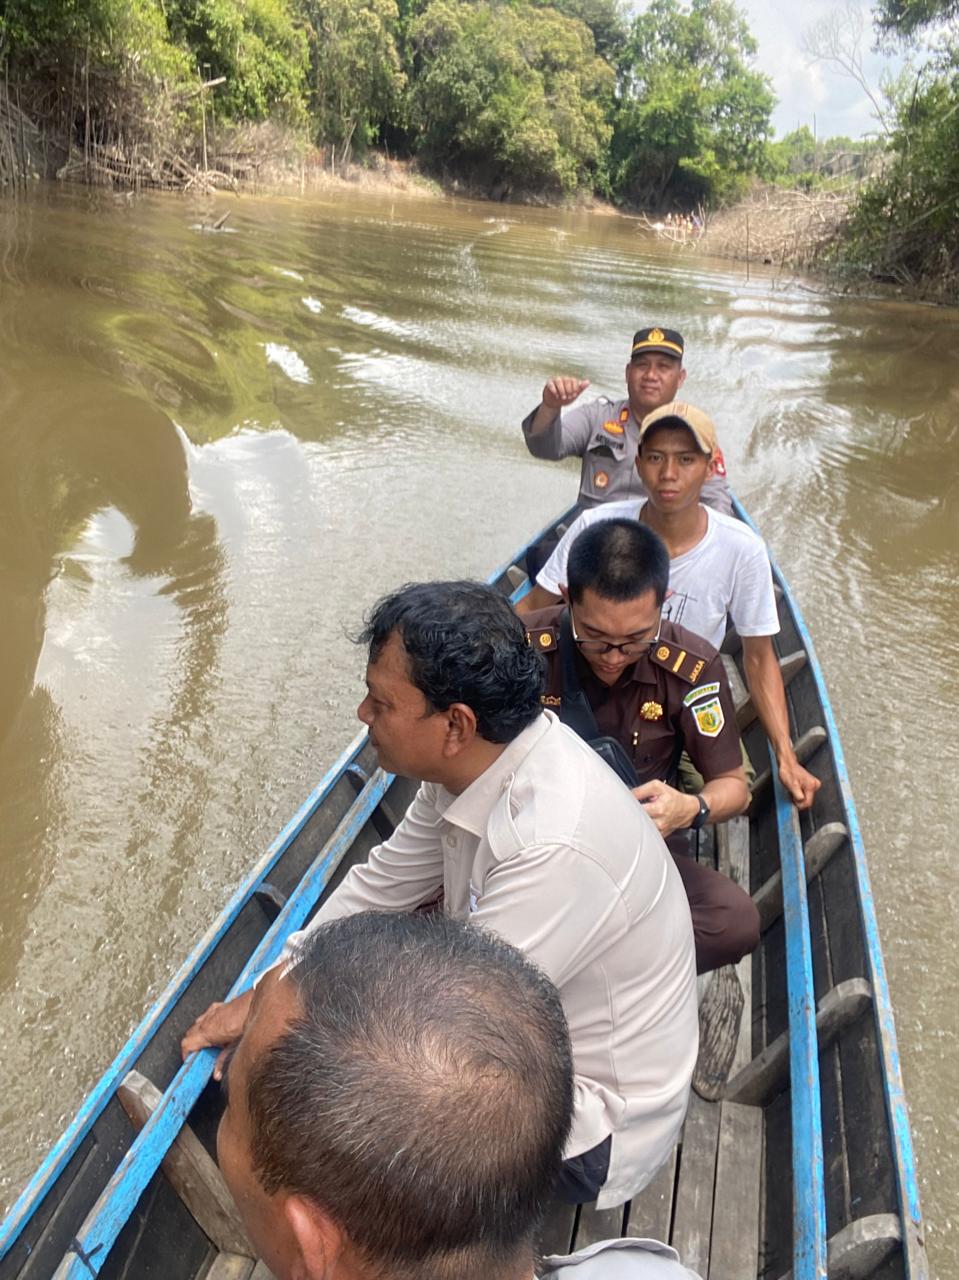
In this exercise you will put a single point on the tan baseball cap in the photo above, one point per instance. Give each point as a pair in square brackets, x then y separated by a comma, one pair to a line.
[679, 414]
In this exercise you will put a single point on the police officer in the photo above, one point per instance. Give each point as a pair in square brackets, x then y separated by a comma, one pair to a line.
[656, 689]
[605, 433]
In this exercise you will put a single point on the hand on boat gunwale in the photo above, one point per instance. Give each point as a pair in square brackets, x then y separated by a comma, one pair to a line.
[220, 1026]
[563, 390]
[799, 782]
[669, 809]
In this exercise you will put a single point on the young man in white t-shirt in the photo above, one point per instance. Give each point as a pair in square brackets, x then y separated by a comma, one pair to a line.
[718, 566]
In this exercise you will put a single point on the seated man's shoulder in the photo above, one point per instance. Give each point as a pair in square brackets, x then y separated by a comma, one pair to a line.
[543, 620]
[619, 1260]
[682, 652]
[625, 509]
[735, 531]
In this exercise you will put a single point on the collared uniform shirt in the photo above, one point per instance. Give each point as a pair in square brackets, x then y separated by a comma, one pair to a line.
[619, 1260]
[605, 435]
[652, 712]
[549, 849]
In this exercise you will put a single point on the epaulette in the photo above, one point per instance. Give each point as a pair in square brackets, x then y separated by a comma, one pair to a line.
[681, 662]
[545, 639]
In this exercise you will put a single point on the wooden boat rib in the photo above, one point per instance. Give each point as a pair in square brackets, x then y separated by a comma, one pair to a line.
[803, 1167]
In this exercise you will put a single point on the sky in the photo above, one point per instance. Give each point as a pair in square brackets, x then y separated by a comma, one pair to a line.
[808, 89]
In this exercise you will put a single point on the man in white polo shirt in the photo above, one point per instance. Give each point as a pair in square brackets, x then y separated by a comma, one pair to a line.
[718, 568]
[527, 832]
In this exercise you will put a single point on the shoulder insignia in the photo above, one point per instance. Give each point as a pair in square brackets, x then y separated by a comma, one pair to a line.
[709, 718]
[544, 639]
[624, 414]
[703, 691]
[681, 662]
[614, 428]
[548, 700]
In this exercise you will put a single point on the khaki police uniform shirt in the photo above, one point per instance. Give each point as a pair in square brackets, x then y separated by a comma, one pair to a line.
[552, 852]
[605, 435]
[654, 711]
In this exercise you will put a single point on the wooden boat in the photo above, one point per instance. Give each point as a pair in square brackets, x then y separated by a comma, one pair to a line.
[802, 1167]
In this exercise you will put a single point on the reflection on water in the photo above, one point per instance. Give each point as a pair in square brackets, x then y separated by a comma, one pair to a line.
[219, 449]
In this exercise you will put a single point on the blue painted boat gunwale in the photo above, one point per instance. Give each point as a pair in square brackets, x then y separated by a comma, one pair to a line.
[108, 1216]
[98, 1098]
[809, 1191]
[907, 1183]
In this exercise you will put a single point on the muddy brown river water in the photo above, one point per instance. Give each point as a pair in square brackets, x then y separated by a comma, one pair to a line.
[217, 448]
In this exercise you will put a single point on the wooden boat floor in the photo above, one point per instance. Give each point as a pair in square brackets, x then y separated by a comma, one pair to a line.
[706, 1199]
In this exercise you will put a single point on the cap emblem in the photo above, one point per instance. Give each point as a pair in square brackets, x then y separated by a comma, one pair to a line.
[655, 335]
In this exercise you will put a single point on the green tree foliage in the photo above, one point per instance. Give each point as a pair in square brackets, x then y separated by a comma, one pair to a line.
[604, 18]
[40, 33]
[802, 160]
[258, 45]
[510, 91]
[356, 79]
[905, 226]
[907, 17]
[693, 114]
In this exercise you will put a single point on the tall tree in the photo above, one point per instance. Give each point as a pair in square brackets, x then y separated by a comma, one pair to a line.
[509, 92]
[356, 78]
[694, 114]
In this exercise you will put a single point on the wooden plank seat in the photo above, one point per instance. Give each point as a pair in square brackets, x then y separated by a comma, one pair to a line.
[704, 1201]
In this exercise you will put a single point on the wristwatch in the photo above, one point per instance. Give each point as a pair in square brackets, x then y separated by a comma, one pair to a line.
[702, 817]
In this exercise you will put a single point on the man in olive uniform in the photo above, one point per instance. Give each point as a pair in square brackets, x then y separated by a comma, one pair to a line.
[605, 433]
[657, 689]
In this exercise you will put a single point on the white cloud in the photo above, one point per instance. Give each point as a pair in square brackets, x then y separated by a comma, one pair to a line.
[813, 93]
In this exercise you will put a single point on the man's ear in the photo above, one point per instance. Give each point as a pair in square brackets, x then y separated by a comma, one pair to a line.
[682, 378]
[711, 467]
[461, 728]
[564, 592]
[318, 1241]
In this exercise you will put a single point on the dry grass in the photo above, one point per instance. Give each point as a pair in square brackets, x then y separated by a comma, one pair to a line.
[785, 229]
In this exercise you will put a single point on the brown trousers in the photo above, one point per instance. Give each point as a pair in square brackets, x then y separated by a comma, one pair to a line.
[725, 919]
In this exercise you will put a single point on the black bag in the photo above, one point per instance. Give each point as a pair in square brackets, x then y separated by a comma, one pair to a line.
[576, 712]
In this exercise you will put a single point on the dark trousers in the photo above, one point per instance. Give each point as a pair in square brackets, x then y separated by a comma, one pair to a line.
[538, 554]
[583, 1175]
[725, 919]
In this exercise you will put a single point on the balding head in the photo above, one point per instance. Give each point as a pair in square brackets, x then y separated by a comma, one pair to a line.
[415, 1094]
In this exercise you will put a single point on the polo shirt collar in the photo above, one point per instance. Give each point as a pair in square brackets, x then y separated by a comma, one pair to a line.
[471, 809]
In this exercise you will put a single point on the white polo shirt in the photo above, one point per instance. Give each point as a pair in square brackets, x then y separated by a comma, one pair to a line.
[550, 850]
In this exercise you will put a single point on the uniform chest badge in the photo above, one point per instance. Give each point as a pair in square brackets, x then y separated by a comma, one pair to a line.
[650, 711]
[709, 718]
[601, 480]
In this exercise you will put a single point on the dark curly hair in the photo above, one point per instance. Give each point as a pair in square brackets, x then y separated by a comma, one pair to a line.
[464, 644]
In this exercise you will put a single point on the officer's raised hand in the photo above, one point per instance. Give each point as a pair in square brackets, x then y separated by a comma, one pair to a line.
[563, 390]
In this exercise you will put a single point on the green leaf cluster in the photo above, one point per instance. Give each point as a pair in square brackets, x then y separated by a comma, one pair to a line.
[904, 226]
[510, 89]
[549, 95]
[693, 115]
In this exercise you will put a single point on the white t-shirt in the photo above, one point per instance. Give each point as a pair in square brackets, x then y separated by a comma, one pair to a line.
[727, 572]
[619, 1260]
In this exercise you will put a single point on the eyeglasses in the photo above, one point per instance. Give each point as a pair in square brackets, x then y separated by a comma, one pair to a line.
[629, 649]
